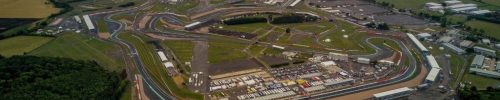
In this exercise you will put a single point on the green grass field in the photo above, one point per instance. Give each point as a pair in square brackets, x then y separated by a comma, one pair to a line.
[219, 51]
[26, 8]
[313, 27]
[381, 42]
[480, 82]
[83, 47]
[248, 28]
[153, 65]
[491, 29]
[21, 44]
[101, 26]
[353, 42]
[182, 49]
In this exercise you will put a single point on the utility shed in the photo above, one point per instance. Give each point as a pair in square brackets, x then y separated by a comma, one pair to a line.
[485, 51]
[363, 60]
[478, 61]
[486, 73]
[454, 48]
[424, 35]
[415, 41]
[393, 94]
[432, 61]
[497, 68]
[162, 56]
[88, 22]
[432, 76]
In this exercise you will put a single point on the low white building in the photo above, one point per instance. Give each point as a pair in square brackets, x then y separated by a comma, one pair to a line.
[452, 2]
[424, 35]
[480, 12]
[363, 60]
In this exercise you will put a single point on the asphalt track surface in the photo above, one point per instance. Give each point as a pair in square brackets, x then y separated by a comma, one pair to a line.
[157, 93]
[407, 75]
[154, 90]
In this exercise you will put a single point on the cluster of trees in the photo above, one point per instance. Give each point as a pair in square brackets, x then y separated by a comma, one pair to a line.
[294, 18]
[244, 20]
[472, 93]
[386, 4]
[50, 78]
[382, 26]
[127, 4]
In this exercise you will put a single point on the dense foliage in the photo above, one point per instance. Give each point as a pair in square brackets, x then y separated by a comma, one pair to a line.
[244, 20]
[472, 93]
[49, 78]
[293, 19]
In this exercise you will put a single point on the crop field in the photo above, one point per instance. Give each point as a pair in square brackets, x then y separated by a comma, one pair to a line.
[152, 64]
[21, 44]
[82, 47]
[26, 8]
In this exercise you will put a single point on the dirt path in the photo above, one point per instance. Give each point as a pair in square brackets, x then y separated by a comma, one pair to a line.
[369, 93]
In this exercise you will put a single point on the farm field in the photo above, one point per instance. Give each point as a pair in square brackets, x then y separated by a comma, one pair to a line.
[152, 64]
[20, 44]
[26, 8]
[82, 47]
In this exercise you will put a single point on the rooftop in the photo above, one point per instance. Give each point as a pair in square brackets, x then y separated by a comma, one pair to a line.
[484, 49]
[386, 93]
[478, 60]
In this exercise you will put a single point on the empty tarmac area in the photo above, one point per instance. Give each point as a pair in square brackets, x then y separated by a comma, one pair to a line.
[398, 19]
[364, 9]
[330, 3]
[233, 66]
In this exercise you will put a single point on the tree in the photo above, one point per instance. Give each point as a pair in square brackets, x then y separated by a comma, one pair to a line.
[1, 57]
[288, 30]
[383, 26]
[49, 78]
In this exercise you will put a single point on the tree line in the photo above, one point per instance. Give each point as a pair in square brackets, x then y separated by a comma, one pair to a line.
[286, 19]
[52, 78]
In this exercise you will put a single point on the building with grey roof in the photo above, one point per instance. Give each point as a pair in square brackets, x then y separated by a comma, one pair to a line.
[483, 72]
[485, 51]
[480, 12]
[478, 61]
[466, 43]
[454, 48]
[497, 68]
